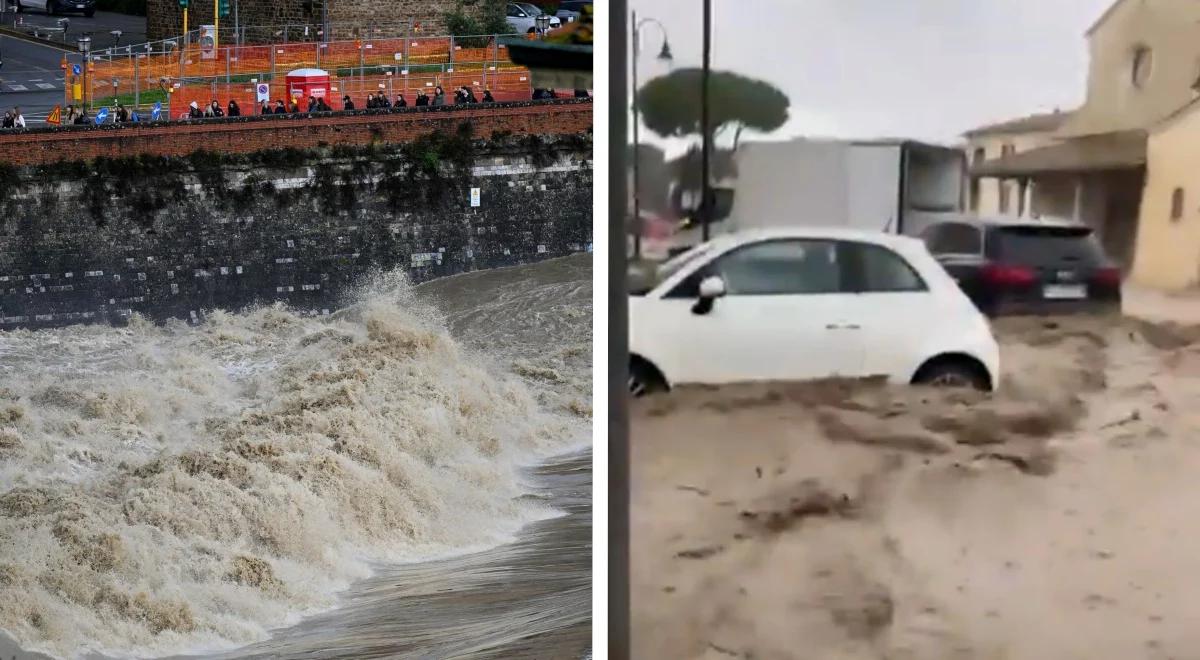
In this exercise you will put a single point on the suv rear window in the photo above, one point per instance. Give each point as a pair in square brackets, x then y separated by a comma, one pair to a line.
[1039, 246]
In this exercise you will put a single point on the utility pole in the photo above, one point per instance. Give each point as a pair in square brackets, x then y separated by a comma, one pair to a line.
[637, 198]
[705, 133]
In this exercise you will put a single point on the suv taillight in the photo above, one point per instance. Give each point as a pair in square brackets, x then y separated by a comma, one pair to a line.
[1108, 277]
[1005, 275]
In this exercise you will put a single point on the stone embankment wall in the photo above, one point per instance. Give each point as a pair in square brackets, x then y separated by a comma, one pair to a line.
[171, 236]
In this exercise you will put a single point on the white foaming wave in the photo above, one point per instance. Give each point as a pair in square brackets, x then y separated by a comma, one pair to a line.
[174, 489]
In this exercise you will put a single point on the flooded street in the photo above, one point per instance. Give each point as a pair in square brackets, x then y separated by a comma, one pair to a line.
[861, 521]
[268, 484]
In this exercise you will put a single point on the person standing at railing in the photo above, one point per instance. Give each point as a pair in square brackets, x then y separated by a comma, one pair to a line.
[122, 115]
[439, 96]
[347, 103]
[234, 110]
[487, 96]
[422, 99]
[8, 120]
[264, 108]
[470, 95]
[401, 102]
[371, 103]
[294, 108]
[18, 118]
[71, 113]
[194, 111]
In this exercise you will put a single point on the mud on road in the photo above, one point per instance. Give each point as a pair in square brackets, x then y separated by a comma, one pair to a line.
[1056, 518]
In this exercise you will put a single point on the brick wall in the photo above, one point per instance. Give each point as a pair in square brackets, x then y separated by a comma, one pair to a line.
[164, 18]
[250, 134]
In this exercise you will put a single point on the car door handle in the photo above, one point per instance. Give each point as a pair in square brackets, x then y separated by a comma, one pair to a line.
[847, 326]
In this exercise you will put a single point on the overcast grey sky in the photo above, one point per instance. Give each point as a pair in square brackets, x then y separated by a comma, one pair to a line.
[925, 69]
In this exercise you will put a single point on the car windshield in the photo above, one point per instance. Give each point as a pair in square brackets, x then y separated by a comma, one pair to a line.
[1041, 246]
[532, 10]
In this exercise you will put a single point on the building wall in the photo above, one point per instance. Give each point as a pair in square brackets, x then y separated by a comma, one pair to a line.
[164, 18]
[176, 239]
[1169, 29]
[989, 188]
[1168, 251]
[250, 134]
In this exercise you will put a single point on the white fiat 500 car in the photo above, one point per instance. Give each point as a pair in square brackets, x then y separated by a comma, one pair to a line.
[804, 304]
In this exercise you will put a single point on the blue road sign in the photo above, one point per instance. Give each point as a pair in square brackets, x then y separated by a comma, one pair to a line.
[156, 111]
[134, 117]
[75, 69]
[101, 116]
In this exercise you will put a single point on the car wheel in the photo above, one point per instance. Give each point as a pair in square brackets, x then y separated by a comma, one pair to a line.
[953, 374]
[644, 380]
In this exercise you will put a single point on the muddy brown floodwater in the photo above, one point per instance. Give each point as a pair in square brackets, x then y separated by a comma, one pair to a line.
[1057, 518]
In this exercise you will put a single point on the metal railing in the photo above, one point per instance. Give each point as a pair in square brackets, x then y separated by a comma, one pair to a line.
[142, 74]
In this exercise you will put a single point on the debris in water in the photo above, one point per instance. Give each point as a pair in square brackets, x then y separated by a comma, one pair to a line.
[700, 553]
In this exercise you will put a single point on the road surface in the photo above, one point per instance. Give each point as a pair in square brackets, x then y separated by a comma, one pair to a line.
[32, 78]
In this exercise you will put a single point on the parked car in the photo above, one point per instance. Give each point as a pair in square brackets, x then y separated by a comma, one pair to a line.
[522, 17]
[807, 303]
[571, 10]
[1026, 267]
[55, 7]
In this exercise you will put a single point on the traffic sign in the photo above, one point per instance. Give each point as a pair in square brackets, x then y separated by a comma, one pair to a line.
[102, 116]
[156, 111]
[263, 92]
[75, 69]
[55, 116]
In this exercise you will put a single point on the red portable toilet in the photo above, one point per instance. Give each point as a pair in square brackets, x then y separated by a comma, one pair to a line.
[303, 83]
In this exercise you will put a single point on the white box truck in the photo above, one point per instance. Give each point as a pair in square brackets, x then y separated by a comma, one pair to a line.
[895, 186]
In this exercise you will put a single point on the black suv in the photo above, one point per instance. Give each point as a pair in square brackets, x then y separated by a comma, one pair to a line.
[1026, 267]
[55, 7]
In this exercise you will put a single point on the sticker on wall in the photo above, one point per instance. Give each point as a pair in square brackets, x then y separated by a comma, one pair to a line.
[475, 192]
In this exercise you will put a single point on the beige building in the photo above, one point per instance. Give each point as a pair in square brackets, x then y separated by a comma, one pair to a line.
[1168, 239]
[998, 197]
[1095, 165]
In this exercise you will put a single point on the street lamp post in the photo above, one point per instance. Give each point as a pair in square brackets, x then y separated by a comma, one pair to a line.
[543, 24]
[665, 56]
[85, 48]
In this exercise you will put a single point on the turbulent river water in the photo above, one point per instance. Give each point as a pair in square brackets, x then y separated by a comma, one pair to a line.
[408, 477]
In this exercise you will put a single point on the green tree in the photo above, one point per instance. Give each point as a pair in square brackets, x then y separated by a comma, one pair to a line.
[488, 17]
[670, 105]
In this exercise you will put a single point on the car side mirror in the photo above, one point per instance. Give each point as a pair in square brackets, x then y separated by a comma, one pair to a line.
[711, 288]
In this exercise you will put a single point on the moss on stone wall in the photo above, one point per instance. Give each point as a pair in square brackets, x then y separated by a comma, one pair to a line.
[425, 171]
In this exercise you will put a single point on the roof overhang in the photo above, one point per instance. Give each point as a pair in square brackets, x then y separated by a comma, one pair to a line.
[1092, 153]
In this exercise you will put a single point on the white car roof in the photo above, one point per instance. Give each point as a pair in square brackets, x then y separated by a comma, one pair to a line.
[829, 233]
